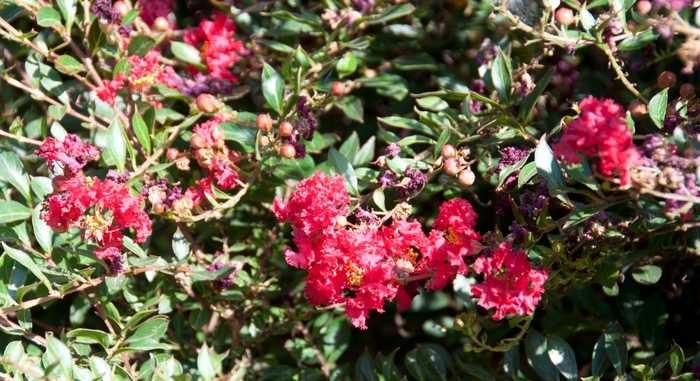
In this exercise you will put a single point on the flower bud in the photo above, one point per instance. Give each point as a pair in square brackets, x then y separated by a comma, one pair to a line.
[666, 79]
[565, 16]
[286, 129]
[161, 24]
[120, 7]
[644, 7]
[58, 182]
[183, 163]
[197, 141]
[235, 157]
[448, 151]
[172, 154]
[264, 140]
[637, 108]
[264, 122]
[687, 91]
[381, 161]
[340, 222]
[338, 89]
[206, 102]
[158, 208]
[288, 151]
[370, 73]
[466, 177]
[458, 324]
[217, 134]
[452, 166]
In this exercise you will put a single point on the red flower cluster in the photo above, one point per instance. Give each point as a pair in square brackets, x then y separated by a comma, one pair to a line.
[144, 73]
[152, 9]
[511, 285]
[600, 132]
[72, 153]
[365, 265]
[103, 210]
[219, 49]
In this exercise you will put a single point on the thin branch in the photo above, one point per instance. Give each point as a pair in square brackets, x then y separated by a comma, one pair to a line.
[20, 139]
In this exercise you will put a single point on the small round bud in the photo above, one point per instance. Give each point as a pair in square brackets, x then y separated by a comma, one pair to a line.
[565, 16]
[666, 79]
[264, 140]
[340, 222]
[452, 166]
[206, 102]
[466, 177]
[687, 91]
[458, 324]
[197, 141]
[161, 24]
[172, 154]
[637, 108]
[370, 73]
[120, 7]
[288, 151]
[338, 89]
[158, 208]
[264, 122]
[643, 7]
[58, 182]
[217, 133]
[183, 163]
[286, 129]
[381, 161]
[448, 151]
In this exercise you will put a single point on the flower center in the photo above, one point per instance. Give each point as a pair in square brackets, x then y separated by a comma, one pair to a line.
[354, 274]
[95, 226]
[452, 237]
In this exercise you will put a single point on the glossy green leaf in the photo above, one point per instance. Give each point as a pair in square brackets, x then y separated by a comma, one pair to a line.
[346, 65]
[11, 211]
[68, 9]
[142, 132]
[408, 124]
[531, 99]
[600, 361]
[12, 171]
[365, 369]
[273, 88]
[652, 322]
[58, 353]
[639, 41]
[186, 52]
[676, 359]
[563, 357]
[501, 76]
[537, 357]
[181, 248]
[140, 45]
[657, 108]
[116, 147]
[48, 17]
[648, 275]
[365, 154]
[547, 165]
[352, 107]
[206, 363]
[616, 350]
[350, 146]
[337, 163]
[153, 328]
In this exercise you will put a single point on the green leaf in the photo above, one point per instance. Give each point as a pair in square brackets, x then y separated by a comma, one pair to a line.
[58, 353]
[432, 103]
[537, 357]
[142, 132]
[90, 336]
[639, 41]
[153, 328]
[387, 85]
[206, 363]
[652, 322]
[676, 359]
[240, 132]
[657, 108]
[131, 16]
[501, 76]
[547, 165]
[583, 174]
[391, 13]
[68, 9]
[526, 173]
[365, 154]
[57, 112]
[70, 65]
[562, 357]
[96, 38]
[350, 146]
[408, 124]
[276, 45]
[648, 275]
[296, 169]
[338, 164]
[42, 231]
[51, 81]
[48, 17]
[199, 317]
[140, 45]
[116, 148]
[616, 349]
[186, 53]
[365, 369]
[181, 248]
[346, 65]
[273, 88]
[352, 107]
[600, 361]
[511, 362]
[378, 198]
[11, 211]
[531, 99]
[415, 61]
[12, 171]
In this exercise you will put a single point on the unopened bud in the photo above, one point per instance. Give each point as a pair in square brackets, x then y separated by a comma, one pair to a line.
[370, 73]
[264, 122]
[235, 157]
[381, 161]
[452, 166]
[264, 140]
[217, 134]
[338, 89]
[172, 154]
[286, 129]
[288, 151]
[666, 79]
[161, 24]
[466, 177]
[644, 7]
[158, 208]
[207, 103]
[448, 151]
[687, 91]
[565, 16]
[58, 182]
[637, 108]
[340, 222]
[197, 141]
[458, 324]
[120, 7]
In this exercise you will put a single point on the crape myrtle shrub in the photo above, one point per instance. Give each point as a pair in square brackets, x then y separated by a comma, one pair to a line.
[349, 190]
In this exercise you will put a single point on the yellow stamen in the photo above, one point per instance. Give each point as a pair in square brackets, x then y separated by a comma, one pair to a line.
[96, 226]
[354, 274]
[452, 237]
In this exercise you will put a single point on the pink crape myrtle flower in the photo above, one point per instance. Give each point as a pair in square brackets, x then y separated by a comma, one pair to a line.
[72, 153]
[144, 73]
[220, 50]
[152, 9]
[600, 132]
[511, 285]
